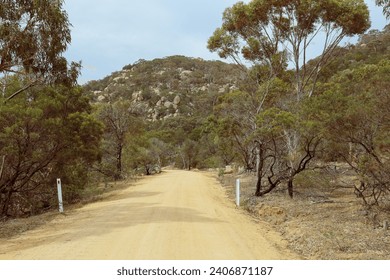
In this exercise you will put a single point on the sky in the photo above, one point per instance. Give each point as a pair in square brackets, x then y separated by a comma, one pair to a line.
[107, 35]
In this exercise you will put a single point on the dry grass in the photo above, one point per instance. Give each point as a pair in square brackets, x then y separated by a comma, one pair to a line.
[325, 220]
[14, 227]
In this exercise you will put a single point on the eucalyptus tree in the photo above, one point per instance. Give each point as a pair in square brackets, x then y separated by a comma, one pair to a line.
[121, 121]
[355, 112]
[45, 132]
[275, 37]
[274, 32]
[33, 37]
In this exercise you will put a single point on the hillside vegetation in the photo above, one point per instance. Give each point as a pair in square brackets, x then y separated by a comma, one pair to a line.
[155, 113]
[198, 114]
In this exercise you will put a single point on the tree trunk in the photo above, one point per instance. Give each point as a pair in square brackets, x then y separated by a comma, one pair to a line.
[270, 187]
[189, 163]
[147, 170]
[258, 186]
[259, 167]
[118, 173]
[7, 202]
[2, 167]
[183, 161]
[290, 186]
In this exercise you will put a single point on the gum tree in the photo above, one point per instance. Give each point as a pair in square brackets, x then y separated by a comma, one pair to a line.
[275, 38]
[46, 132]
[121, 121]
[33, 37]
[356, 116]
[274, 32]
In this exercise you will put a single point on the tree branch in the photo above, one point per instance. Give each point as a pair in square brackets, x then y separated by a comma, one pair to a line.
[19, 91]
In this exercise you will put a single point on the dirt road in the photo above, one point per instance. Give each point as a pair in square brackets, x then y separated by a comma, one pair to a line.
[174, 215]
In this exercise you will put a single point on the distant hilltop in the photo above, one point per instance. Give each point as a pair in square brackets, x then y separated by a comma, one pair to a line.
[166, 87]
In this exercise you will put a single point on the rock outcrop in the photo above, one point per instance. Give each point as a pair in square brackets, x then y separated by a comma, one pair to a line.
[166, 87]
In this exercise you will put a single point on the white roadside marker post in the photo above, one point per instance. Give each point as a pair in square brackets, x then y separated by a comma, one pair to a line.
[238, 192]
[59, 190]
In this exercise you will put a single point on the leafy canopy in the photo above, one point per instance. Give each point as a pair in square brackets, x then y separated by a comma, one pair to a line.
[275, 32]
[33, 37]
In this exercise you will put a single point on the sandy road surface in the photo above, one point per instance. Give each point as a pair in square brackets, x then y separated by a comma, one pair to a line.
[175, 215]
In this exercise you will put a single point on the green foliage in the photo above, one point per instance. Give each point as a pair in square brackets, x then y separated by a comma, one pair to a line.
[271, 33]
[146, 154]
[120, 122]
[356, 118]
[47, 133]
[276, 124]
[33, 37]
[152, 86]
[275, 121]
[371, 49]
[175, 75]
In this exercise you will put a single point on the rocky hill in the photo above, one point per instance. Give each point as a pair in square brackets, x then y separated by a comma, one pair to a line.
[168, 87]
